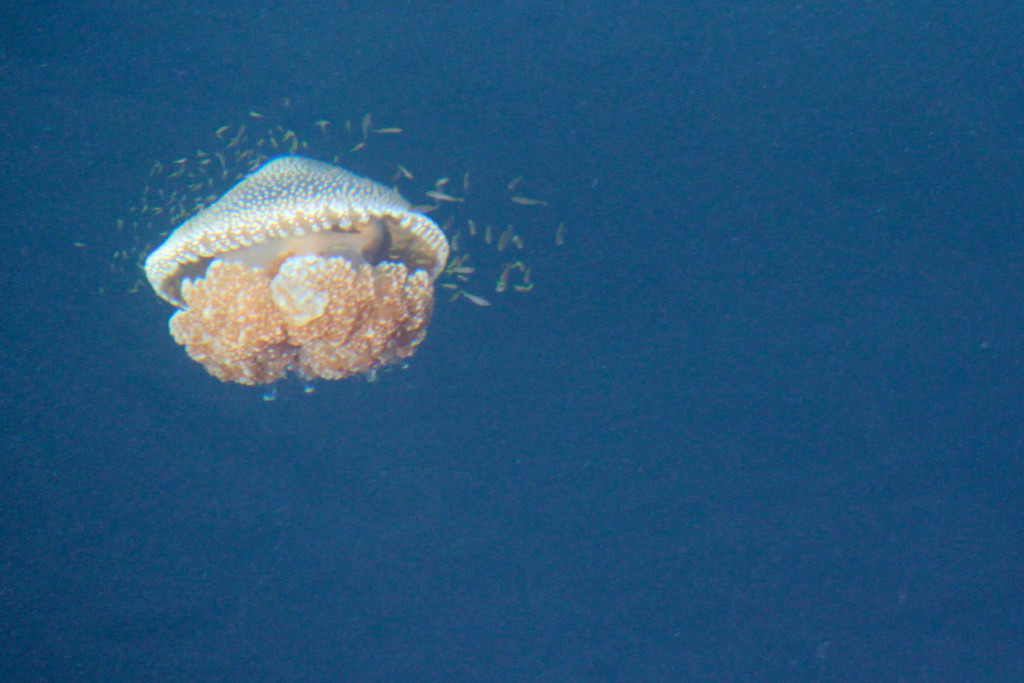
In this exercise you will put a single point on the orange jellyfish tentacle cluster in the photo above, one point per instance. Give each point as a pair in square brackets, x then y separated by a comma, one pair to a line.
[302, 266]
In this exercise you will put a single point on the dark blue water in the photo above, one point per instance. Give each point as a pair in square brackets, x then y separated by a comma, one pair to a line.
[761, 418]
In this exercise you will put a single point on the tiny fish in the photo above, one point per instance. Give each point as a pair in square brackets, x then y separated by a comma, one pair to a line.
[442, 197]
[478, 300]
[526, 201]
[424, 208]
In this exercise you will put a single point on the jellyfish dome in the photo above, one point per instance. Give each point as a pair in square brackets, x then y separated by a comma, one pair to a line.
[301, 266]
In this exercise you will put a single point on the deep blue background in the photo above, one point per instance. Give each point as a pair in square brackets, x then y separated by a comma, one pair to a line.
[762, 418]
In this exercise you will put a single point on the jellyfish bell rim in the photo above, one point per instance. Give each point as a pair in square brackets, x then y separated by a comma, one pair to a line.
[267, 216]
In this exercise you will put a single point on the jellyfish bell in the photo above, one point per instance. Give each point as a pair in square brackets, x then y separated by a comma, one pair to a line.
[301, 266]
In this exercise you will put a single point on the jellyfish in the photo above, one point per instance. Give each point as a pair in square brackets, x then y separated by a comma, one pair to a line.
[302, 267]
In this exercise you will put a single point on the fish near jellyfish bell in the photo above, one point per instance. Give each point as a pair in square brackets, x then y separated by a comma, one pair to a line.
[301, 266]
